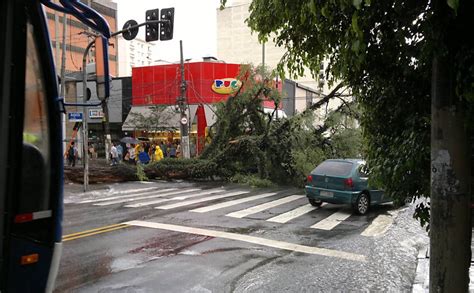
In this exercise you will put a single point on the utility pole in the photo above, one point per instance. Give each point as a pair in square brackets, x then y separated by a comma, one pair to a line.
[182, 106]
[85, 130]
[450, 223]
[63, 77]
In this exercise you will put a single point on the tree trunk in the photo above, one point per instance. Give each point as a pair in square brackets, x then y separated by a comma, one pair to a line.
[450, 225]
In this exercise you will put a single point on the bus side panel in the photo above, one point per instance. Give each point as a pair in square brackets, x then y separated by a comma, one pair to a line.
[28, 277]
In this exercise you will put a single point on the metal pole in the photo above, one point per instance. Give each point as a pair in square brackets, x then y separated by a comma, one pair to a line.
[263, 56]
[183, 105]
[63, 78]
[85, 136]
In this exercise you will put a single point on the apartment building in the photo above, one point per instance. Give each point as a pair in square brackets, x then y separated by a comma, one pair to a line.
[134, 53]
[78, 36]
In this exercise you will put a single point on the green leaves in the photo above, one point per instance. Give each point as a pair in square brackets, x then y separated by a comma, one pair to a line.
[357, 3]
[355, 24]
[454, 4]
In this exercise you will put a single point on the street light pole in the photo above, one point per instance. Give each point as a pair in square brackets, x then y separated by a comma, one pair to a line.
[182, 106]
[85, 136]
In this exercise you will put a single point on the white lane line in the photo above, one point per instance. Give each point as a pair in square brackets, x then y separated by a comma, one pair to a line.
[232, 202]
[204, 192]
[190, 202]
[331, 221]
[265, 206]
[127, 193]
[147, 203]
[253, 240]
[283, 218]
[379, 225]
[145, 197]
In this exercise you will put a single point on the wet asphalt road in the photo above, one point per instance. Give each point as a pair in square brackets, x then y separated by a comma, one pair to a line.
[135, 258]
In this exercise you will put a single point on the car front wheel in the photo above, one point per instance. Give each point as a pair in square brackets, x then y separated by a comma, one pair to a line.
[315, 203]
[362, 204]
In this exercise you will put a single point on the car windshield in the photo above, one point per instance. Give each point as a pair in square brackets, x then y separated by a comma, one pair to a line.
[333, 168]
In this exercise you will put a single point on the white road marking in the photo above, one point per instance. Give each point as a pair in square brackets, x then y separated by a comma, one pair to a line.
[147, 203]
[283, 218]
[253, 240]
[379, 225]
[265, 206]
[128, 193]
[190, 202]
[145, 197]
[232, 202]
[204, 192]
[332, 221]
[137, 205]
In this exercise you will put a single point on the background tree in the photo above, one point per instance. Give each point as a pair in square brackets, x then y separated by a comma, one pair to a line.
[395, 55]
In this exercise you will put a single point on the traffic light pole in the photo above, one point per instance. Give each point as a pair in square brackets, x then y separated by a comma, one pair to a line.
[103, 103]
[182, 106]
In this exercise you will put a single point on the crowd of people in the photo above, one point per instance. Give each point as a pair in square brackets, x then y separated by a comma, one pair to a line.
[143, 152]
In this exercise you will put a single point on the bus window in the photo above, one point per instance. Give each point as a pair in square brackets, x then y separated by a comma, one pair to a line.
[34, 193]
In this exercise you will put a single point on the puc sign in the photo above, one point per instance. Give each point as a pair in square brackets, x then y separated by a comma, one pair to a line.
[226, 86]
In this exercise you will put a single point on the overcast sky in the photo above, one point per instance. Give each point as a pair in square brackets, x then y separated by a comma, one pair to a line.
[194, 23]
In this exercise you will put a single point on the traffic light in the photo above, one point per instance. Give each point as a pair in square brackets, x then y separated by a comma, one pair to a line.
[166, 32]
[152, 28]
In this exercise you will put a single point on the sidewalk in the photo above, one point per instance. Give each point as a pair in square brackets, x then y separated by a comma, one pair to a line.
[422, 277]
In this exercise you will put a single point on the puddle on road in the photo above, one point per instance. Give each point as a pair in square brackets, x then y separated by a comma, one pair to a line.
[122, 264]
[170, 244]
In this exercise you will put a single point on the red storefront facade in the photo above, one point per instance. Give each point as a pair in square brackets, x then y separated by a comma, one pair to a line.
[207, 83]
[159, 85]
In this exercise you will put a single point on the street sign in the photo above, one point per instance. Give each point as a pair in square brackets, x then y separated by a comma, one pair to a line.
[96, 113]
[74, 116]
[131, 33]
[184, 120]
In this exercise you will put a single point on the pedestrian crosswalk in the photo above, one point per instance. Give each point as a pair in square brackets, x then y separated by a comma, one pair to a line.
[283, 206]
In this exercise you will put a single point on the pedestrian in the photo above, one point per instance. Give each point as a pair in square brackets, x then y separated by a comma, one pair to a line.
[114, 155]
[146, 147]
[72, 155]
[120, 152]
[158, 154]
[131, 152]
[151, 150]
[163, 149]
[143, 157]
[91, 151]
[178, 150]
[173, 151]
[137, 148]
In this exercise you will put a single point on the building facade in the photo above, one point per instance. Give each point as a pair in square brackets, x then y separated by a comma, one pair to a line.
[118, 104]
[133, 53]
[78, 36]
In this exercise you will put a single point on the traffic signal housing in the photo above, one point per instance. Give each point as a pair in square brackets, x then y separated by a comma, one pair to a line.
[166, 32]
[152, 29]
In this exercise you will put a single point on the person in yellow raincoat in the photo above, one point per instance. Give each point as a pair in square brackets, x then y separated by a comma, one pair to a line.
[138, 149]
[158, 154]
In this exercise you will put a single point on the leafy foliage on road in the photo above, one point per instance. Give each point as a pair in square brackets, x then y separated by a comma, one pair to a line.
[247, 140]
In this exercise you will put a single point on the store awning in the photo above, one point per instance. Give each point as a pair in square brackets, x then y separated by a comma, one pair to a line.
[152, 118]
[162, 118]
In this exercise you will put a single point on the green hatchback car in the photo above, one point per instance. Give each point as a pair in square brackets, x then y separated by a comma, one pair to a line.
[343, 181]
